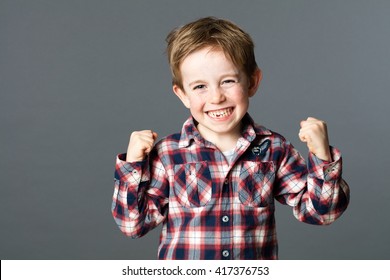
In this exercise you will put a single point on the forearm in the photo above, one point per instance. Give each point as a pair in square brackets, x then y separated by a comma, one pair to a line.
[133, 209]
[327, 195]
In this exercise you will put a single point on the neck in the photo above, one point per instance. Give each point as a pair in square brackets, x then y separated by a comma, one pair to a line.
[223, 141]
[226, 145]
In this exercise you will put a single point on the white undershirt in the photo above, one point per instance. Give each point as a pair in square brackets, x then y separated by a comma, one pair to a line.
[229, 155]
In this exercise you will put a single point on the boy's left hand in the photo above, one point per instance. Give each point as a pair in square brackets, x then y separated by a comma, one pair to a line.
[315, 134]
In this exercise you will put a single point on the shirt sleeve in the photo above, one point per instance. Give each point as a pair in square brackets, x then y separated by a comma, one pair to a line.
[316, 191]
[140, 195]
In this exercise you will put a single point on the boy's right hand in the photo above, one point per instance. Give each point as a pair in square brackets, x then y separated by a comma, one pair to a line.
[140, 145]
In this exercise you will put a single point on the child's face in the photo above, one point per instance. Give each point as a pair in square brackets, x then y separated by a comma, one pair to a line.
[216, 92]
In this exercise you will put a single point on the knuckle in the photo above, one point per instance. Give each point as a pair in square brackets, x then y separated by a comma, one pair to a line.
[322, 125]
[134, 134]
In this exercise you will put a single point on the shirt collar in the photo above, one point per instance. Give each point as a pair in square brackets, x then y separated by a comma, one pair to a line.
[249, 132]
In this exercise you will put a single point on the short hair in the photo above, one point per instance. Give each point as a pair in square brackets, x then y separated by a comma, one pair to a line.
[210, 32]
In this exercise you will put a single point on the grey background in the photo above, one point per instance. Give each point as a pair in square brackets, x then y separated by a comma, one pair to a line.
[76, 77]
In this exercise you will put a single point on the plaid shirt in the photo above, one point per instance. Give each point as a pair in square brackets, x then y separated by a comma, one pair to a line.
[213, 209]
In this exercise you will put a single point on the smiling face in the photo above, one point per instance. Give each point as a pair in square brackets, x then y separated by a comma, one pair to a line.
[216, 92]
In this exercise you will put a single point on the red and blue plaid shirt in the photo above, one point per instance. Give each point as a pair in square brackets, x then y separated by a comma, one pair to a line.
[213, 209]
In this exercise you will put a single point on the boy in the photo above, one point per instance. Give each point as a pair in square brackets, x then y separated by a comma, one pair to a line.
[213, 185]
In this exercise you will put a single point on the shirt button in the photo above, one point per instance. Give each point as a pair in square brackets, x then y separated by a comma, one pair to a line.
[225, 219]
[225, 253]
[226, 181]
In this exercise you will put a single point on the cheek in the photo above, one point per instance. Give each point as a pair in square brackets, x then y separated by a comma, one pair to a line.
[196, 103]
[240, 97]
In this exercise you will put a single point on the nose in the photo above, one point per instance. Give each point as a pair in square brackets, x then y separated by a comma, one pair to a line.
[217, 96]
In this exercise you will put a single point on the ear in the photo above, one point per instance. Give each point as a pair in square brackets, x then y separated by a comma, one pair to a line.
[254, 82]
[182, 95]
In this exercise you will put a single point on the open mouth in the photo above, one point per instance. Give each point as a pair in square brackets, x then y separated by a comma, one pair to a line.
[222, 113]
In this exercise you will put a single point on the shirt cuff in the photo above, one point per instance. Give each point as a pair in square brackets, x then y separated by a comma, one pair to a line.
[325, 170]
[130, 172]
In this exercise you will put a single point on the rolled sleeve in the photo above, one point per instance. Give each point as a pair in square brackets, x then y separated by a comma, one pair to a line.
[325, 170]
[132, 173]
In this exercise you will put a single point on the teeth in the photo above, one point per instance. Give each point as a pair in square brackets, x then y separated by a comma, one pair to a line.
[220, 113]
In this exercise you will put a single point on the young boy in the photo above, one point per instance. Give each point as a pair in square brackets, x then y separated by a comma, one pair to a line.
[213, 185]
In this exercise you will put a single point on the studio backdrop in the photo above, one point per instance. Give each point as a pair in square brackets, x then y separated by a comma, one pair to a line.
[76, 77]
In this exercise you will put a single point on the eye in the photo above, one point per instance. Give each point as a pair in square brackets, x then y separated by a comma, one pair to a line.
[198, 87]
[230, 81]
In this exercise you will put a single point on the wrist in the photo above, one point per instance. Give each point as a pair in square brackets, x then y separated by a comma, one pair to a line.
[324, 155]
[131, 158]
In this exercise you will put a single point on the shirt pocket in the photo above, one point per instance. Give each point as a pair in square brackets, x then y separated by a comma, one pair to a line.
[192, 184]
[256, 182]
